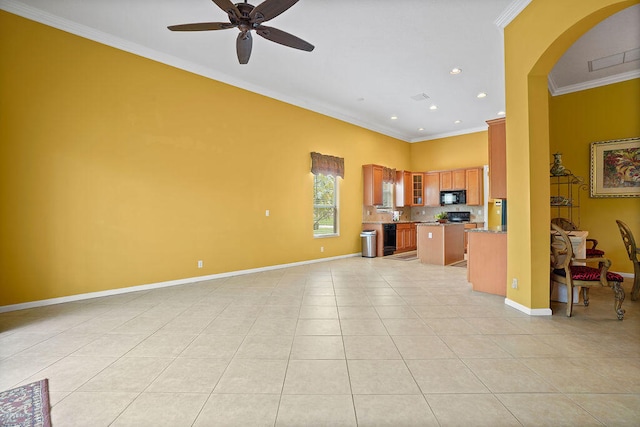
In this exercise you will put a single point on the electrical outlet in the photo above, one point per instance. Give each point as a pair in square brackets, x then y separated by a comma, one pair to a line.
[200, 264]
[321, 248]
[514, 283]
[266, 213]
[431, 235]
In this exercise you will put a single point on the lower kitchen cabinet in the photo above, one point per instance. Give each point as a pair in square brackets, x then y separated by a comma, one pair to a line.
[487, 262]
[468, 226]
[405, 237]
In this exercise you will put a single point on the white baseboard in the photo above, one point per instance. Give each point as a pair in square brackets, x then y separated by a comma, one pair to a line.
[527, 310]
[110, 292]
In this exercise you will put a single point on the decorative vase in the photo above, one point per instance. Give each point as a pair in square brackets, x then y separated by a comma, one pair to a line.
[556, 167]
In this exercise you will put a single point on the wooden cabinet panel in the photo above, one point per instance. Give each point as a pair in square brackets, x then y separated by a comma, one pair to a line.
[446, 180]
[497, 158]
[466, 235]
[405, 237]
[487, 262]
[475, 188]
[417, 198]
[432, 189]
[459, 179]
[372, 177]
[404, 188]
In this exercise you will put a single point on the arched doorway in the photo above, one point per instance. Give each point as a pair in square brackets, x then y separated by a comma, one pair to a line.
[534, 41]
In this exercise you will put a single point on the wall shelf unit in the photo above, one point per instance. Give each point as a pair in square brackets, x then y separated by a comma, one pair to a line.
[565, 197]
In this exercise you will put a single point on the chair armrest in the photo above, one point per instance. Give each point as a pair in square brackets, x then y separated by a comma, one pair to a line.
[594, 242]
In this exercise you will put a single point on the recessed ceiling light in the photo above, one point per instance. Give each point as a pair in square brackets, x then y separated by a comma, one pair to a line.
[482, 95]
[433, 107]
[455, 71]
[394, 117]
[458, 121]
[501, 113]
[420, 129]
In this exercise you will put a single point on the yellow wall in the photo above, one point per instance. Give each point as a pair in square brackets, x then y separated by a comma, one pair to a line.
[534, 41]
[117, 171]
[600, 114]
[454, 152]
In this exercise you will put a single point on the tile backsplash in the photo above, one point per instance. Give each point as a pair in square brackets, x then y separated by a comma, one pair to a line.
[419, 213]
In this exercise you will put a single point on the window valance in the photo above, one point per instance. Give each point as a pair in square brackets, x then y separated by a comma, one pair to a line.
[327, 165]
[388, 175]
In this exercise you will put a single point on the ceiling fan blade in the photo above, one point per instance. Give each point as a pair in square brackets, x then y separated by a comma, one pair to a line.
[243, 47]
[228, 7]
[202, 26]
[269, 9]
[283, 38]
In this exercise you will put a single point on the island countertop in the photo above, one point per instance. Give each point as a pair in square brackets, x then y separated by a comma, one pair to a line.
[498, 229]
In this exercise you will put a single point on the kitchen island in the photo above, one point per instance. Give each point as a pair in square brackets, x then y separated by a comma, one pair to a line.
[440, 244]
[487, 260]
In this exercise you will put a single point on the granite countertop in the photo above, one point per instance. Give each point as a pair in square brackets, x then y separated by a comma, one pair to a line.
[438, 224]
[497, 229]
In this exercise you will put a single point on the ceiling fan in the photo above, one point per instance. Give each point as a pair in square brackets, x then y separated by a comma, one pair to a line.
[246, 18]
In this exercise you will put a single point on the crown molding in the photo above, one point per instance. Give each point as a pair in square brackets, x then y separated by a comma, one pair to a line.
[556, 90]
[510, 13]
[448, 134]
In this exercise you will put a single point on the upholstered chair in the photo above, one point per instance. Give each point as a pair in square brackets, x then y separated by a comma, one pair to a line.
[634, 252]
[563, 270]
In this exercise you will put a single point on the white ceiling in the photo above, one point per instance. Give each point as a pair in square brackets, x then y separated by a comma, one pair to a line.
[371, 56]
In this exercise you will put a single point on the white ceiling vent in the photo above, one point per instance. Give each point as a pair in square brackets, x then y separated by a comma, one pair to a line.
[420, 97]
[613, 60]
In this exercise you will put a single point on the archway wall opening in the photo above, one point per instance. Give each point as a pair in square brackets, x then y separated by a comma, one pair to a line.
[534, 41]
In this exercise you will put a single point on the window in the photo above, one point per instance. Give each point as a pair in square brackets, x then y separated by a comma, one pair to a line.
[325, 205]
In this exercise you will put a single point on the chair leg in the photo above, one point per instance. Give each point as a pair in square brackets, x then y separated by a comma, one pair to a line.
[635, 291]
[619, 294]
[569, 300]
[585, 296]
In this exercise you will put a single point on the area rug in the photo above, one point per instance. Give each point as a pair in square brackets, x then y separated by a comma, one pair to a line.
[407, 256]
[460, 264]
[27, 405]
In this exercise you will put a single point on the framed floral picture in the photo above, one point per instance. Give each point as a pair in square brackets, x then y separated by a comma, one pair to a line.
[615, 168]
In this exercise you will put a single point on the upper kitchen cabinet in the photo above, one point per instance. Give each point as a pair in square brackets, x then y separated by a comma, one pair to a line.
[404, 188]
[497, 158]
[432, 189]
[417, 197]
[475, 189]
[372, 176]
[453, 180]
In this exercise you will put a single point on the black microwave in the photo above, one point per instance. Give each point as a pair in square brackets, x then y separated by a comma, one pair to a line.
[458, 197]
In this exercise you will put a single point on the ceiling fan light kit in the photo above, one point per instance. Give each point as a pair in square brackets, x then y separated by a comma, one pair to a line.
[247, 18]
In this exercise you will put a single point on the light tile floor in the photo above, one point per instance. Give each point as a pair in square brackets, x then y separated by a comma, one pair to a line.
[367, 342]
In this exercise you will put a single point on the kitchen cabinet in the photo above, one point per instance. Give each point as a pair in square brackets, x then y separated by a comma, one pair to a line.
[404, 189]
[497, 158]
[405, 237]
[372, 178]
[417, 195]
[432, 189]
[453, 180]
[487, 262]
[468, 226]
[474, 187]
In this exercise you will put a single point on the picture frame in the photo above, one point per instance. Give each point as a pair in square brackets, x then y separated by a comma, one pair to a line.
[615, 168]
